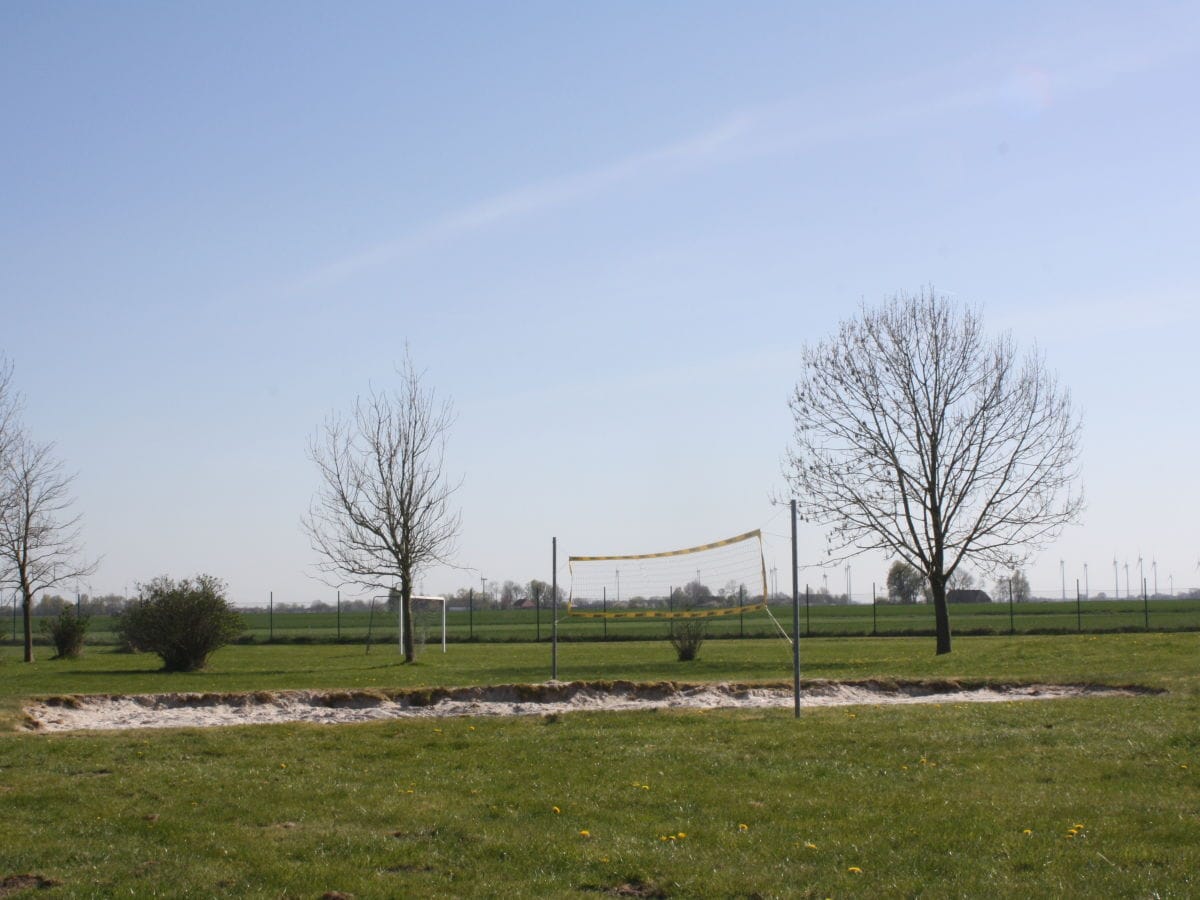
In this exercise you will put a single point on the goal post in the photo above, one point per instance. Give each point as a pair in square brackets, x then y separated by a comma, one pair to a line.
[423, 598]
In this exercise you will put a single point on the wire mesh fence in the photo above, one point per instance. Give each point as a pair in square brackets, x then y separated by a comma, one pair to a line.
[820, 615]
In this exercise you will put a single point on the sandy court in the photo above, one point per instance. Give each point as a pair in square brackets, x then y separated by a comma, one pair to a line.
[97, 712]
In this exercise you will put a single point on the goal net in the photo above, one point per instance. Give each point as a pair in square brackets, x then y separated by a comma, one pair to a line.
[719, 579]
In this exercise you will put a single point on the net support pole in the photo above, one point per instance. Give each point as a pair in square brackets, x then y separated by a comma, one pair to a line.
[795, 618]
[554, 601]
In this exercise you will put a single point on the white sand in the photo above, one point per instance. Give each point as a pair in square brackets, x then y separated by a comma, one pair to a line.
[202, 710]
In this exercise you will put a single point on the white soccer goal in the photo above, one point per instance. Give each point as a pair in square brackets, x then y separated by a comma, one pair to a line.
[722, 578]
[418, 600]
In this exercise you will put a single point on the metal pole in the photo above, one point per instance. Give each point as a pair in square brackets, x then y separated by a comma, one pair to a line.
[742, 611]
[874, 621]
[339, 616]
[443, 624]
[795, 617]
[1012, 622]
[554, 600]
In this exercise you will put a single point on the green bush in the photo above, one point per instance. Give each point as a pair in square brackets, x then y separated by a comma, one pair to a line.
[686, 636]
[67, 631]
[182, 621]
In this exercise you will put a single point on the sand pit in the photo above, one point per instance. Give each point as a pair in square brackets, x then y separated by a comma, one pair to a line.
[106, 712]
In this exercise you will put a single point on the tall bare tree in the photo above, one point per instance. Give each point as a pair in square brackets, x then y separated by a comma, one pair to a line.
[382, 512]
[918, 436]
[40, 546]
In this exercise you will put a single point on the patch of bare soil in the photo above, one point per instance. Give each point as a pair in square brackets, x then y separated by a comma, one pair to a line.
[15, 884]
[87, 712]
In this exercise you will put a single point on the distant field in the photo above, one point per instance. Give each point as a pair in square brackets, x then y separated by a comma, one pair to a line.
[1064, 798]
[1094, 616]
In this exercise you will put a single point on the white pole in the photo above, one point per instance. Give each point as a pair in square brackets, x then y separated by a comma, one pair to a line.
[400, 638]
[443, 624]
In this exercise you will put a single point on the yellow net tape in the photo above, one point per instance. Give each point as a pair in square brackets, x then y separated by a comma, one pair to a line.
[667, 614]
[755, 534]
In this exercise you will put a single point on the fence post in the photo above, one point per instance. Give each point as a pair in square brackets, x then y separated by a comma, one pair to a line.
[1012, 622]
[339, 616]
[741, 612]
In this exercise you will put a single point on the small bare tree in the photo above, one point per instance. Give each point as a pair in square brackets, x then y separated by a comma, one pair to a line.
[40, 545]
[917, 436]
[382, 512]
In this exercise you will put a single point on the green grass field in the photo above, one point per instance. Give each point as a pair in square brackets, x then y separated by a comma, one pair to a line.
[1083, 798]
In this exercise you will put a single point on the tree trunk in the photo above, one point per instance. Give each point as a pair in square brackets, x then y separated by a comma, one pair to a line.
[937, 587]
[27, 618]
[406, 636]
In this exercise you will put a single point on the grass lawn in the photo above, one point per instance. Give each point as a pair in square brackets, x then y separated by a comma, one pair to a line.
[951, 800]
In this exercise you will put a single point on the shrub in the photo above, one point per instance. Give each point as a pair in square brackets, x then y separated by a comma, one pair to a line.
[686, 636]
[182, 621]
[67, 631]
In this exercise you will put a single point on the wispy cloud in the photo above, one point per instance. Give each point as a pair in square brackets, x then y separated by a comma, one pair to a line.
[699, 150]
[790, 127]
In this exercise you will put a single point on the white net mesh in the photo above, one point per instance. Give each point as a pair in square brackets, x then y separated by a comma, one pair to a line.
[722, 578]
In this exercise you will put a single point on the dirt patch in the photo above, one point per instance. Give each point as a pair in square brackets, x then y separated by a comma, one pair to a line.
[15, 884]
[89, 712]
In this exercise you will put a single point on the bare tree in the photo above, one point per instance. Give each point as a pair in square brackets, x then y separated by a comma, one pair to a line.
[918, 436]
[40, 545]
[382, 512]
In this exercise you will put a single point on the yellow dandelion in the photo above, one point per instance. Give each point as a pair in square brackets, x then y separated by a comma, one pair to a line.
[585, 833]
[1027, 831]
[904, 768]
[662, 837]
[604, 859]
[470, 728]
[1183, 765]
[283, 765]
[854, 870]
[809, 845]
[1079, 827]
[682, 835]
[743, 827]
[645, 787]
[555, 810]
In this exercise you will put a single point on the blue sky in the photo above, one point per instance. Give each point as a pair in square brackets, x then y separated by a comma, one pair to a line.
[603, 230]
